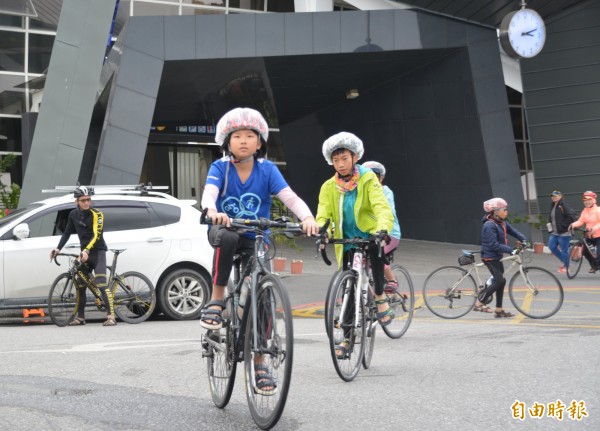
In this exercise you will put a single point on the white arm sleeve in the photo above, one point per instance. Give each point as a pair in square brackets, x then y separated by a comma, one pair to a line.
[294, 203]
[209, 197]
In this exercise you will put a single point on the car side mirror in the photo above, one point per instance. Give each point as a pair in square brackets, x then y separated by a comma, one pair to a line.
[21, 231]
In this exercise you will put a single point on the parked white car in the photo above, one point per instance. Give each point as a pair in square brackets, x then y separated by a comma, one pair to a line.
[162, 235]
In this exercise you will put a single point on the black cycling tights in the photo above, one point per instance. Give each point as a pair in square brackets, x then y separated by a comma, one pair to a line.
[97, 263]
[497, 270]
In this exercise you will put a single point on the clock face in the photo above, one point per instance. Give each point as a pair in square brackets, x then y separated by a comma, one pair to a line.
[526, 33]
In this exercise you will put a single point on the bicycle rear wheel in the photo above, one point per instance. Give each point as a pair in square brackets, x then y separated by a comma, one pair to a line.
[62, 300]
[273, 348]
[450, 292]
[134, 297]
[371, 330]
[574, 265]
[539, 295]
[344, 327]
[219, 350]
[402, 301]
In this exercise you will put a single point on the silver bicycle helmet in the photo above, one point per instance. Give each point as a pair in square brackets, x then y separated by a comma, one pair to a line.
[345, 140]
[376, 167]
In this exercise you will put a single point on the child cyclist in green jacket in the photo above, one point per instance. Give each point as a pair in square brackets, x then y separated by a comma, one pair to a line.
[354, 201]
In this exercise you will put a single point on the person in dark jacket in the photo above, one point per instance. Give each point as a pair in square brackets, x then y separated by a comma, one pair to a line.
[88, 223]
[494, 243]
[561, 216]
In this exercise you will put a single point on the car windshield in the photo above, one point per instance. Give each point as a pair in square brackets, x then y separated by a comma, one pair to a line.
[13, 214]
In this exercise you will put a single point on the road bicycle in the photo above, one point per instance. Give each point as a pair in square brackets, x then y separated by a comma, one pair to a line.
[351, 311]
[577, 253]
[257, 321]
[133, 292]
[450, 292]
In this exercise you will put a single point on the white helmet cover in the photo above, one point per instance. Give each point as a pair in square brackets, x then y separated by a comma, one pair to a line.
[345, 140]
[239, 119]
[377, 167]
[494, 204]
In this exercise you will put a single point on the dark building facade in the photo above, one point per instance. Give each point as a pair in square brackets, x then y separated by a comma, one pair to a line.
[562, 92]
[432, 104]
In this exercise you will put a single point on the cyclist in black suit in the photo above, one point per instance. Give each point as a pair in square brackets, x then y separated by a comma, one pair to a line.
[88, 223]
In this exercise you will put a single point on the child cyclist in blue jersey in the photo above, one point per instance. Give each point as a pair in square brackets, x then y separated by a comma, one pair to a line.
[354, 201]
[379, 169]
[240, 185]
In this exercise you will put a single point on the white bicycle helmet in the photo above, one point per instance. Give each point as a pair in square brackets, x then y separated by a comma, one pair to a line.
[345, 140]
[494, 204]
[238, 119]
[376, 167]
[82, 191]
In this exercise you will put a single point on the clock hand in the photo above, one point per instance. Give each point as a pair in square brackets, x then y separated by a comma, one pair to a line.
[528, 33]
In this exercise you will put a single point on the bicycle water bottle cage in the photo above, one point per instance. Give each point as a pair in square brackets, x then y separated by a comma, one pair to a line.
[466, 258]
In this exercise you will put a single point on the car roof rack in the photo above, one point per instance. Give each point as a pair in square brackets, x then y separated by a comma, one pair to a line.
[142, 189]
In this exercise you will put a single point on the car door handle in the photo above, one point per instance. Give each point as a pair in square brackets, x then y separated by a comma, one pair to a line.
[155, 239]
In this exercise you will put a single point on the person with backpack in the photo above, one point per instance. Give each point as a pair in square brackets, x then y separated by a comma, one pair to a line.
[561, 217]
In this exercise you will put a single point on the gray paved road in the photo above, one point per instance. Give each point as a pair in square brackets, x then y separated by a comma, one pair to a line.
[462, 374]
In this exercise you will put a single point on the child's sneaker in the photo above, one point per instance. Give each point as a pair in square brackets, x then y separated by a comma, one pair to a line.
[562, 270]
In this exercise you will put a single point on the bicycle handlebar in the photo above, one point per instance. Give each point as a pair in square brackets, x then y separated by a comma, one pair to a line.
[63, 254]
[580, 229]
[323, 240]
[261, 224]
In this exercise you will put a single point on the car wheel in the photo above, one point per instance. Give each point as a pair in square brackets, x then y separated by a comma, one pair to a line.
[183, 293]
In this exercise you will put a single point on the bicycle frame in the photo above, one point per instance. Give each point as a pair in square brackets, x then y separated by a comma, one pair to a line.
[515, 259]
[256, 268]
[88, 280]
[361, 269]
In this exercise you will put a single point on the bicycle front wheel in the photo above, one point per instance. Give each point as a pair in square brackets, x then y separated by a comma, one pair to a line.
[219, 350]
[450, 292]
[371, 330]
[268, 344]
[537, 295]
[402, 301]
[344, 328]
[326, 307]
[62, 300]
[134, 297]
[575, 260]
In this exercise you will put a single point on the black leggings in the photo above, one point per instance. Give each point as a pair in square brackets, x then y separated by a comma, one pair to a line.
[377, 265]
[227, 243]
[96, 262]
[497, 270]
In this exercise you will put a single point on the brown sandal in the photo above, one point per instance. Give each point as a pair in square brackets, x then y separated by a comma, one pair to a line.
[498, 314]
[110, 321]
[77, 321]
[483, 308]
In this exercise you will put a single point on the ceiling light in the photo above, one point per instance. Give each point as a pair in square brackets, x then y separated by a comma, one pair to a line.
[352, 94]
